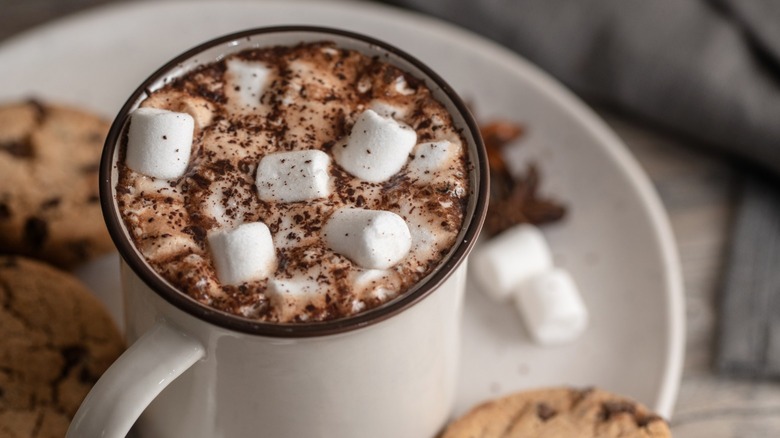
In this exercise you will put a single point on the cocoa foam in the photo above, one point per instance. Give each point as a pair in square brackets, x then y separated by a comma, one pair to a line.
[309, 98]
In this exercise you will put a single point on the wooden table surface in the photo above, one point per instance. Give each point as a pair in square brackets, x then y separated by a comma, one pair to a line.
[698, 191]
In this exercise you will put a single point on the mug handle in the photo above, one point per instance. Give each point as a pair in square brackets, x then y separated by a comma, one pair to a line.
[123, 392]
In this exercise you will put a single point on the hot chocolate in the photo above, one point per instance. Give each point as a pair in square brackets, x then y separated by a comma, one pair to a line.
[293, 184]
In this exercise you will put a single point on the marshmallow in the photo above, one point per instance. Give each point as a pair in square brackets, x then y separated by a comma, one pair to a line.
[424, 240]
[512, 257]
[402, 87]
[291, 94]
[167, 245]
[180, 101]
[373, 239]
[201, 110]
[430, 157]
[159, 142]
[364, 84]
[293, 176]
[375, 281]
[369, 278]
[246, 81]
[286, 295]
[386, 109]
[226, 202]
[377, 148]
[243, 254]
[552, 307]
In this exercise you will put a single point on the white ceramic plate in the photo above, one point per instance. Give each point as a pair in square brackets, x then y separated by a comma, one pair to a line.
[616, 242]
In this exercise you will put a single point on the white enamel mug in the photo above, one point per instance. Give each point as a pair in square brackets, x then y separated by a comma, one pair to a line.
[193, 371]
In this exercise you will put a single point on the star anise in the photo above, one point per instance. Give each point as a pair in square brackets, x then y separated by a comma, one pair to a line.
[514, 199]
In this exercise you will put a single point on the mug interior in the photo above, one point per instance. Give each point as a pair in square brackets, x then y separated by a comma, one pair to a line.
[214, 51]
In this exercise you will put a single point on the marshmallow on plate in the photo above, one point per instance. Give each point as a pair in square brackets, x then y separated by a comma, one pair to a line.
[246, 82]
[376, 148]
[552, 307]
[245, 253]
[373, 239]
[512, 257]
[159, 142]
[293, 176]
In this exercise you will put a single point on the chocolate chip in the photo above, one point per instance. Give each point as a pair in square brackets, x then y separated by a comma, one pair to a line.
[20, 148]
[612, 408]
[51, 203]
[5, 211]
[93, 199]
[35, 232]
[40, 110]
[10, 261]
[90, 168]
[72, 355]
[645, 421]
[545, 412]
[80, 249]
[86, 377]
[95, 137]
[580, 395]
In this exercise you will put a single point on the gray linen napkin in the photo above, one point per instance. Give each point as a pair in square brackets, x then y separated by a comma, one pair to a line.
[707, 70]
[749, 341]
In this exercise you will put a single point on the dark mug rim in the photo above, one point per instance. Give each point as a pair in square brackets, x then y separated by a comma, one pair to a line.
[237, 323]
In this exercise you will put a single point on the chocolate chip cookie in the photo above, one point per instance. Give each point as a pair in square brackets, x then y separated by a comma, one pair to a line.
[49, 205]
[559, 412]
[56, 339]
